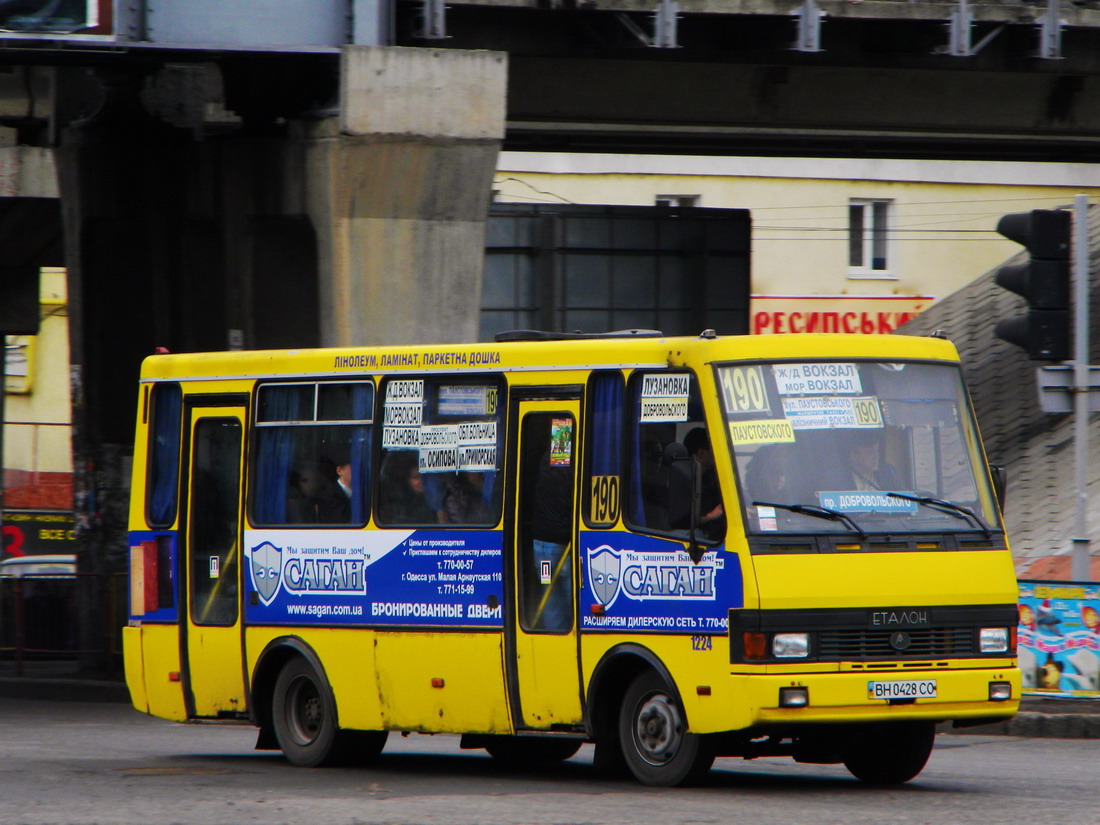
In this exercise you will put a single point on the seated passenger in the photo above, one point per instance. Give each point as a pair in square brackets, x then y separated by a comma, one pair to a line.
[464, 501]
[403, 500]
[766, 475]
[315, 497]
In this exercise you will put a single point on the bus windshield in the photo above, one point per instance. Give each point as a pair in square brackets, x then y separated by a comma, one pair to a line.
[856, 447]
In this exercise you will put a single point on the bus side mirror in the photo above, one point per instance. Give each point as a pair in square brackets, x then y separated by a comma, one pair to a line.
[1000, 483]
[695, 551]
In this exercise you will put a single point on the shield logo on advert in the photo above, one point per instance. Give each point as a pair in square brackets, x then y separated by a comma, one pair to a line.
[604, 574]
[267, 567]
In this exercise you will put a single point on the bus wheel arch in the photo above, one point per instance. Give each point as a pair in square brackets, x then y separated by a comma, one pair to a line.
[297, 710]
[271, 661]
[618, 669]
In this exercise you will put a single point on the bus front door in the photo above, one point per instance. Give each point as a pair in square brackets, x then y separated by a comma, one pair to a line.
[542, 615]
[214, 667]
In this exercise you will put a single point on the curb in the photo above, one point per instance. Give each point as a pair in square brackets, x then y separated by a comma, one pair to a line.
[1040, 726]
[65, 690]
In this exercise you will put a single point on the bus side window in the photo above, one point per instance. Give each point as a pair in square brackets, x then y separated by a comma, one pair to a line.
[312, 453]
[666, 434]
[164, 456]
[442, 442]
[605, 448]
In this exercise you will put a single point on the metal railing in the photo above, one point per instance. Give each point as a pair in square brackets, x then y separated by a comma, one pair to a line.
[73, 620]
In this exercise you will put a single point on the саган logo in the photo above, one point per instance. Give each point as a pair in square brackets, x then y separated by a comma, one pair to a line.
[642, 575]
[266, 567]
[604, 573]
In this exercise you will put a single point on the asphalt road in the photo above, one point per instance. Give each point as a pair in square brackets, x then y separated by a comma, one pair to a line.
[104, 763]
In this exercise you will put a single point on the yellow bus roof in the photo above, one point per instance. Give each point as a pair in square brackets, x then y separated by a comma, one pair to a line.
[545, 354]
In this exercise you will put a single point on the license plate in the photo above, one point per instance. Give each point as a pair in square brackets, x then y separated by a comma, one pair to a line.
[902, 689]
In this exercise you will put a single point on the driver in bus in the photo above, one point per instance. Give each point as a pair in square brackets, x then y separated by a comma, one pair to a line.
[865, 467]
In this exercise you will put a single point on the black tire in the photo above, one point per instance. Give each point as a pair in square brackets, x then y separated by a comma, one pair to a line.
[656, 746]
[607, 757]
[358, 747]
[890, 754]
[531, 750]
[304, 719]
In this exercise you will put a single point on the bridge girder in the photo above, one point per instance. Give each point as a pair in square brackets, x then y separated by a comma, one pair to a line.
[884, 83]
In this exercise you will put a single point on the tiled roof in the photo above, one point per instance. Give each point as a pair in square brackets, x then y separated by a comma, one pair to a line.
[1036, 447]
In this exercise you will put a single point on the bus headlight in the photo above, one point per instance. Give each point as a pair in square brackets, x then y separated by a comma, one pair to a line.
[791, 645]
[993, 640]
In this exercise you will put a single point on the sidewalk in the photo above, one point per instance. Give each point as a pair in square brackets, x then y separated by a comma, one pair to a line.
[60, 681]
[1044, 717]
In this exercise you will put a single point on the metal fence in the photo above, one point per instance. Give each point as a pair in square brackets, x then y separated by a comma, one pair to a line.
[71, 622]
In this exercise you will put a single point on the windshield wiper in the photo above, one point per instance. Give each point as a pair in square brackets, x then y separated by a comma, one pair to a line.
[816, 512]
[949, 508]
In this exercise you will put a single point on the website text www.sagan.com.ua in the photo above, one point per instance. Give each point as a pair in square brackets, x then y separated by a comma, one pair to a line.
[324, 609]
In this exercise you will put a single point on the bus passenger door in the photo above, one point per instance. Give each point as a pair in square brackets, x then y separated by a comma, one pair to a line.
[212, 646]
[542, 614]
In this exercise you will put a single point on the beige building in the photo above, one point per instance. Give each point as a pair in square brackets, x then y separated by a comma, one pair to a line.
[837, 244]
[37, 414]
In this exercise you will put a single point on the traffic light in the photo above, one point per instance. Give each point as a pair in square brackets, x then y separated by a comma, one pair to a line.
[1043, 281]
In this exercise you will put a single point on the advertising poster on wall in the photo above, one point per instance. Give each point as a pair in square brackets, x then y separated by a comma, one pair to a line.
[37, 533]
[1059, 638]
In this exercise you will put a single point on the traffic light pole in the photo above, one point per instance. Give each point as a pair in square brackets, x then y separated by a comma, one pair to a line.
[1080, 550]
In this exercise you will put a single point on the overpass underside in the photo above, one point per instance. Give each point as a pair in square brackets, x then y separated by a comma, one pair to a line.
[880, 78]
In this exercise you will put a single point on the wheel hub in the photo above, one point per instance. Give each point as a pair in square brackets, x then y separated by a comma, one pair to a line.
[658, 731]
[306, 711]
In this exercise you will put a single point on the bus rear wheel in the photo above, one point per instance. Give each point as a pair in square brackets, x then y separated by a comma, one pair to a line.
[657, 748]
[304, 718]
[890, 754]
[531, 750]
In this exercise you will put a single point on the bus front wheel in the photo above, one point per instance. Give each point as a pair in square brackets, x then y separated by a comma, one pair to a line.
[304, 718]
[890, 754]
[657, 748]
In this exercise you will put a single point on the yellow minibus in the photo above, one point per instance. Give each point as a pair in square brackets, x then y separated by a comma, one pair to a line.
[673, 548]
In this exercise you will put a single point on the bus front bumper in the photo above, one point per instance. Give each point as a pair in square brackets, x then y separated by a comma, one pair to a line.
[870, 696]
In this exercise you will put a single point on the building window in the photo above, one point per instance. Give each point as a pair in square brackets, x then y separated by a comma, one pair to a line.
[868, 238]
[574, 267]
[18, 363]
[677, 200]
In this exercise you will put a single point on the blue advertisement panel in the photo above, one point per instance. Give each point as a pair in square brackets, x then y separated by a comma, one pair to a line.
[451, 578]
[635, 583]
[1059, 638]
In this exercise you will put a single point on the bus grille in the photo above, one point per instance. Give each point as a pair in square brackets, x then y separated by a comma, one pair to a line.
[875, 644]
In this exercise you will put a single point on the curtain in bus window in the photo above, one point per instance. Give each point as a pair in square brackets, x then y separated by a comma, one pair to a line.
[607, 424]
[362, 401]
[275, 450]
[606, 435]
[635, 501]
[164, 463]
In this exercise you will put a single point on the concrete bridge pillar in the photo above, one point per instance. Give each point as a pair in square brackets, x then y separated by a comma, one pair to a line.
[398, 188]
